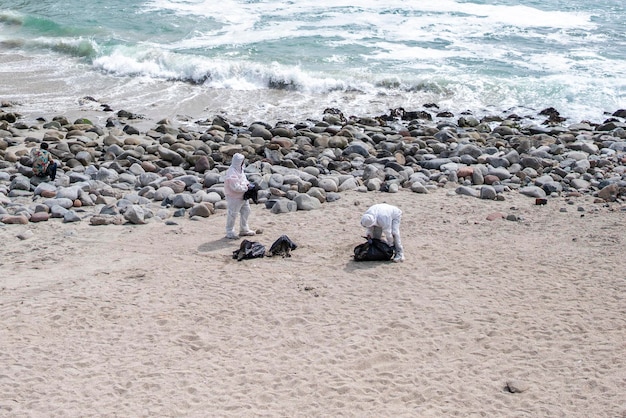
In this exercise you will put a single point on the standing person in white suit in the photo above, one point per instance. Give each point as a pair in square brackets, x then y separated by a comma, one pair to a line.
[383, 218]
[235, 185]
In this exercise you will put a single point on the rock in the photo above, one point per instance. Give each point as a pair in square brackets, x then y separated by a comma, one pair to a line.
[211, 197]
[467, 191]
[318, 194]
[20, 183]
[258, 130]
[348, 184]
[374, 184]
[187, 180]
[276, 180]
[135, 215]
[332, 197]
[25, 235]
[163, 193]
[106, 220]
[50, 190]
[284, 206]
[491, 179]
[146, 179]
[552, 187]
[495, 216]
[177, 186]
[393, 188]
[70, 216]
[355, 147]
[48, 193]
[57, 211]
[579, 184]
[109, 209]
[306, 202]
[106, 175]
[500, 172]
[418, 187]
[211, 179]
[183, 200]
[68, 193]
[15, 219]
[435, 163]
[463, 172]
[477, 177]
[203, 164]
[488, 193]
[62, 202]
[532, 191]
[516, 386]
[40, 217]
[532, 162]
[203, 210]
[328, 184]
[609, 193]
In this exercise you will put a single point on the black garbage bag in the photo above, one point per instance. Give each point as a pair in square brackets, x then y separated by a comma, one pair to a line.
[282, 246]
[373, 249]
[249, 249]
[252, 193]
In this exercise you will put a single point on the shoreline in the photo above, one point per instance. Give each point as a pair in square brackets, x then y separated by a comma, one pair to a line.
[197, 106]
[35, 84]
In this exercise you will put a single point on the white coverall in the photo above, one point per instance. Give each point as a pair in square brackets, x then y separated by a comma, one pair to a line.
[235, 185]
[383, 218]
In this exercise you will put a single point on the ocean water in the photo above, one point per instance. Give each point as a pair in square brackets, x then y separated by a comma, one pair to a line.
[279, 59]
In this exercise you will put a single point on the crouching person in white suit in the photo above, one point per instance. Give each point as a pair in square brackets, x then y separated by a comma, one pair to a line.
[235, 185]
[384, 219]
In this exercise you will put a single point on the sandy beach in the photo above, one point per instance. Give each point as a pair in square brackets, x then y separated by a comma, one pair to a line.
[498, 128]
[502, 318]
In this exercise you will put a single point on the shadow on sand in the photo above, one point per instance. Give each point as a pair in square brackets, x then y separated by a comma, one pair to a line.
[219, 244]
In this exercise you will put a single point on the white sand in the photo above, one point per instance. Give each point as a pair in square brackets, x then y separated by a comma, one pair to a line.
[160, 321]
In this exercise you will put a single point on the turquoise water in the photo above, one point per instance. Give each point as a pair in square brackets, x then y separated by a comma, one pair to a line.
[302, 56]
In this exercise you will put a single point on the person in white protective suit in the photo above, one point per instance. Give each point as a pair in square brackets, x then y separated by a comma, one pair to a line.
[383, 218]
[235, 185]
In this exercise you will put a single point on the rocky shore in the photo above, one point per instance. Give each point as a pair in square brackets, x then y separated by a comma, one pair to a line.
[122, 173]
